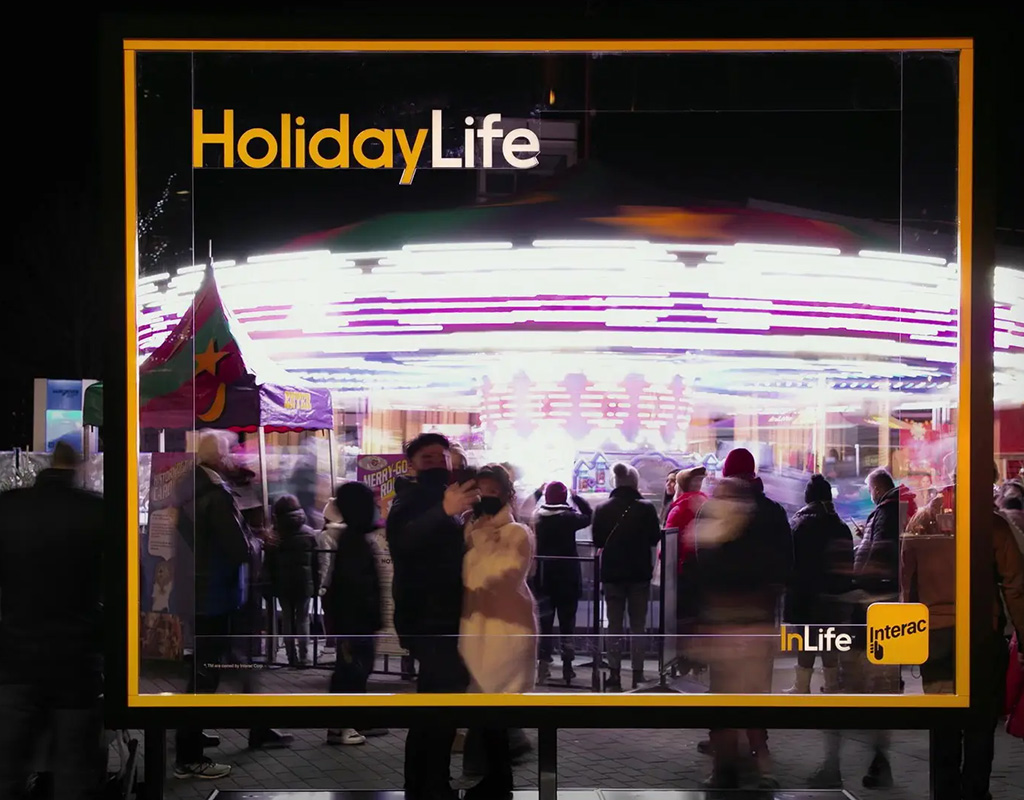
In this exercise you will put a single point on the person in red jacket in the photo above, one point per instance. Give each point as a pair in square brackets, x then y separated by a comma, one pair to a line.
[687, 502]
[908, 506]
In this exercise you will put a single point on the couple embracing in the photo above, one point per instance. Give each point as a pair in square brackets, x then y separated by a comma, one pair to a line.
[462, 606]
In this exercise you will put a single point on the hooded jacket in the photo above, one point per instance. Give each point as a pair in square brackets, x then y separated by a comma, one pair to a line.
[427, 548]
[353, 602]
[292, 563]
[626, 527]
[681, 515]
[822, 565]
[212, 526]
[559, 575]
[744, 554]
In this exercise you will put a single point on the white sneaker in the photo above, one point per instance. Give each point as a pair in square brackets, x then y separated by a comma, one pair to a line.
[345, 736]
[205, 770]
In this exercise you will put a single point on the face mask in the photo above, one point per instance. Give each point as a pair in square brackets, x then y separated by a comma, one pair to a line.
[439, 476]
[488, 506]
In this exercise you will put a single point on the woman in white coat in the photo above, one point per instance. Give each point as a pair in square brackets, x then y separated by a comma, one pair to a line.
[499, 628]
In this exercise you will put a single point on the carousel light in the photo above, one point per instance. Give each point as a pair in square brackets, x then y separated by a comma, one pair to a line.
[434, 248]
[636, 281]
[903, 257]
[616, 244]
[785, 248]
[300, 255]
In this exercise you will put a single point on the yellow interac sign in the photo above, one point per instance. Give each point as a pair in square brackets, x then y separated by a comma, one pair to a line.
[898, 633]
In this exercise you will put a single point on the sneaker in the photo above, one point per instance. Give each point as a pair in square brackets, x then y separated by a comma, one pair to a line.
[205, 770]
[345, 736]
[543, 672]
[372, 732]
[704, 747]
[568, 673]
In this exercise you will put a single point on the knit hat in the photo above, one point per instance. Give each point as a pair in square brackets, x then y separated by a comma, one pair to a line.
[356, 504]
[626, 475]
[739, 464]
[685, 477]
[555, 494]
[818, 490]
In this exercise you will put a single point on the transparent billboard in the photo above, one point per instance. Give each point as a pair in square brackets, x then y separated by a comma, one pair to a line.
[558, 377]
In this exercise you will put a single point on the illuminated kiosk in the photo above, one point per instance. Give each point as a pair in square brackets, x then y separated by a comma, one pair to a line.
[793, 350]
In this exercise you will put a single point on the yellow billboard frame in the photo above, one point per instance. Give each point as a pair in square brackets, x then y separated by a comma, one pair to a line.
[964, 47]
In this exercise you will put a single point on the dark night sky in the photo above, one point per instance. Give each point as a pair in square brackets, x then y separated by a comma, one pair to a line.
[828, 138]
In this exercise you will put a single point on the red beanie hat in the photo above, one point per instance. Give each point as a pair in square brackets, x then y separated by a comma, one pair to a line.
[555, 494]
[739, 463]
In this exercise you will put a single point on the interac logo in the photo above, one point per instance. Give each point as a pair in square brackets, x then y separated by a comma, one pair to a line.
[294, 147]
[898, 633]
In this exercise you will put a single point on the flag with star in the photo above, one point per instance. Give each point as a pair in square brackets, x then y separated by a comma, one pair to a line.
[208, 373]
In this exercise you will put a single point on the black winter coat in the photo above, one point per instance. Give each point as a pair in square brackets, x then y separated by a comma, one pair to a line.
[822, 566]
[51, 581]
[626, 527]
[292, 563]
[743, 577]
[427, 547]
[877, 560]
[353, 599]
[220, 542]
[559, 575]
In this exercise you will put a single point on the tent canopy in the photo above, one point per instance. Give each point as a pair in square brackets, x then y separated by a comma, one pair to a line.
[209, 374]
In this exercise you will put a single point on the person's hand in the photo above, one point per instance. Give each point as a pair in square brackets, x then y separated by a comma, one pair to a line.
[322, 592]
[460, 497]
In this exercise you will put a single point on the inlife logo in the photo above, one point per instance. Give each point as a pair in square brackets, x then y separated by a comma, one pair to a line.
[292, 146]
[823, 640]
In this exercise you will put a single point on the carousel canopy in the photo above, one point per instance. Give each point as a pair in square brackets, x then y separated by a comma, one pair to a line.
[207, 373]
[590, 202]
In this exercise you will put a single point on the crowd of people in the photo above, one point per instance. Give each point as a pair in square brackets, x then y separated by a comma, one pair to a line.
[480, 580]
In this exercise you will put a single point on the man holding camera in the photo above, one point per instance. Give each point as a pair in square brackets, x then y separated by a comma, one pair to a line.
[426, 541]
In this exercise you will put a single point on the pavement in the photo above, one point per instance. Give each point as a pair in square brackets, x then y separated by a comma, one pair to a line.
[587, 759]
[610, 759]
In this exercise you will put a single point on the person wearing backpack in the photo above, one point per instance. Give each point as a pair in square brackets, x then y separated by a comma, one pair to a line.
[626, 528]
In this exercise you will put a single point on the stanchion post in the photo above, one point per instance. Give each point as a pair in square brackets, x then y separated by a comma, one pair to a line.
[595, 679]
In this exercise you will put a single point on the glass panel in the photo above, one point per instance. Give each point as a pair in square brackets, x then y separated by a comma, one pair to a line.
[740, 264]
